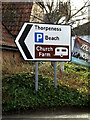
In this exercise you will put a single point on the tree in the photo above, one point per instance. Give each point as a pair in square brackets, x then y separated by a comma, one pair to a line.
[60, 13]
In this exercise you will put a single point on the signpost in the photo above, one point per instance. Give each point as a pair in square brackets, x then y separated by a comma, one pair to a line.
[44, 42]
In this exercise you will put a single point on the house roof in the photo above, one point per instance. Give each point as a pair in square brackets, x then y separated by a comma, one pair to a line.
[7, 39]
[82, 29]
[14, 14]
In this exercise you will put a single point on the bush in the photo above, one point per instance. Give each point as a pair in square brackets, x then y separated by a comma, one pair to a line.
[19, 93]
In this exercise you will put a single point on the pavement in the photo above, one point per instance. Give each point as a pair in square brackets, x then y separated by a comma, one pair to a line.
[58, 114]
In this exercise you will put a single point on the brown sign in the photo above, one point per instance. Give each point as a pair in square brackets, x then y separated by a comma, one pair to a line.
[52, 51]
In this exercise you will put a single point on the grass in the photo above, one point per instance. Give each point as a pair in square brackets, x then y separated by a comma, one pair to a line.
[8, 69]
[74, 75]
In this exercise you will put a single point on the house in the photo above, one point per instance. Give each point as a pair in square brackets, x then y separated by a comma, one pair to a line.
[14, 14]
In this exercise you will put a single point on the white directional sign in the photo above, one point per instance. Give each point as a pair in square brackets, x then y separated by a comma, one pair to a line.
[45, 42]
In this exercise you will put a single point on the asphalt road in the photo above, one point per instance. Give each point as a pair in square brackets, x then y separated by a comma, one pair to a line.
[59, 114]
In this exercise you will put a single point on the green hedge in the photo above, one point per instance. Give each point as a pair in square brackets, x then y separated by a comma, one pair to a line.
[19, 93]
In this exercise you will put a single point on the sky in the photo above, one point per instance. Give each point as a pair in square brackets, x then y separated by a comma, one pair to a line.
[74, 4]
[77, 4]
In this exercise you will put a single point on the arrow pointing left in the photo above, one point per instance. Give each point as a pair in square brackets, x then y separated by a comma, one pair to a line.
[20, 41]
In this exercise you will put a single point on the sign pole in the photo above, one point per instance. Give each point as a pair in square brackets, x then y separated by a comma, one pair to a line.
[36, 76]
[55, 74]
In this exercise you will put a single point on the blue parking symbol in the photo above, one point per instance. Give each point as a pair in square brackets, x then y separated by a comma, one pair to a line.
[39, 37]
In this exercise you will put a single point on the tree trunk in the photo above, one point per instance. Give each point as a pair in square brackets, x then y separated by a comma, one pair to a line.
[52, 64]
[62, 68]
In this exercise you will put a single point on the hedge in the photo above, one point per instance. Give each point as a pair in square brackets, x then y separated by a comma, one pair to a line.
[19, 93]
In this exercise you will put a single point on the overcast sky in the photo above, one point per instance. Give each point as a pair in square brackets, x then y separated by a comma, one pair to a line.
[75, 4]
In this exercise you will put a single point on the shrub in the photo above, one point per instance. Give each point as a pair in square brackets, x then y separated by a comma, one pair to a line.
[19, 93]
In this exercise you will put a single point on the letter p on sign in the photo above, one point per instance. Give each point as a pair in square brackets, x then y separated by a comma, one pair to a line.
[39, 37]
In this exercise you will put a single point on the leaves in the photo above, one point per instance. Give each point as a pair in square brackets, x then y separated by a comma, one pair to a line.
[19, 93]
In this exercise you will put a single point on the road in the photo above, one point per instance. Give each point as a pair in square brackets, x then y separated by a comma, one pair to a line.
[59, 114]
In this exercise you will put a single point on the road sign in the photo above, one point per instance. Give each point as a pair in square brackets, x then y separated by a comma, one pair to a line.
[44, 42]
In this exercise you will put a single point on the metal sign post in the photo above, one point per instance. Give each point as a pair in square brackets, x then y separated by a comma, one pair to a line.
[36, 76]
[55, 74]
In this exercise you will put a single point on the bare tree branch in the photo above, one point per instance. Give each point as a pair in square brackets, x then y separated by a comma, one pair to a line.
[44, 7]
[38, 18]
[72, 22]
[80, 9]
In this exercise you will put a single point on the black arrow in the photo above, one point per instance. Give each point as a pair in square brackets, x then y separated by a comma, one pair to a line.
[22, 39]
